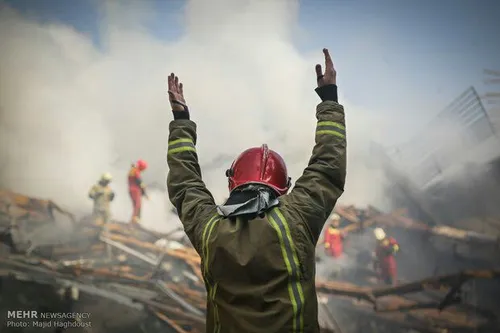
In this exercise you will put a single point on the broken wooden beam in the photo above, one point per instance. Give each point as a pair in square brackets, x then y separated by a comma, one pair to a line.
[187, 254]
[436, 282]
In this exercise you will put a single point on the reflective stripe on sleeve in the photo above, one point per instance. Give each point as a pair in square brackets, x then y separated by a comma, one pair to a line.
[211, 289]
[330, 128]
[216, 310]
[280, 225]
[180, 145]
[207, 232]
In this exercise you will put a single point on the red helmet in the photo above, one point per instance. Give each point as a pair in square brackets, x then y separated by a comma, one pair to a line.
[141, 165]
[259, 165]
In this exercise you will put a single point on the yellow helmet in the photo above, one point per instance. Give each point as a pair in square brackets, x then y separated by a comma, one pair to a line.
[335, 217]
[106, 177]
[379, 233]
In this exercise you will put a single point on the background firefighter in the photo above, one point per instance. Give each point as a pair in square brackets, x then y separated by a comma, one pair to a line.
[136, 189]
[258, 248]
[102, 195]
[385, 262]
[334, 238]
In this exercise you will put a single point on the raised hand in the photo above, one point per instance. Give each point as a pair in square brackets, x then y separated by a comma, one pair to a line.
[176, 94]
[330, 75]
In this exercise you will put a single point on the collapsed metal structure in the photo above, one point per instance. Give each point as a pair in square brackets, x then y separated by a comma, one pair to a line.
[453, 165]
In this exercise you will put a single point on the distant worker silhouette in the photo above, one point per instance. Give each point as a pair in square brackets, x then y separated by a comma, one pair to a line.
[102, 195]
[258, 248]
[136, 190]
[334, 237]
[385, 264]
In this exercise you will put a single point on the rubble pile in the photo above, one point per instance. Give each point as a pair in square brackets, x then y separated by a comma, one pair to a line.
[136, 280]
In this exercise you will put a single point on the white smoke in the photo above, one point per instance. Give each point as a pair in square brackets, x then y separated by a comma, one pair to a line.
[71, 111]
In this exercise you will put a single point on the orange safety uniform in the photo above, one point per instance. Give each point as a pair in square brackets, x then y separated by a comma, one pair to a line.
[334, 241]
[136, 189]
[385, 263]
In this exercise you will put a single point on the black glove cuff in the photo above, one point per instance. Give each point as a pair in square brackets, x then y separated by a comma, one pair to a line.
[181, 115]
[328, 93]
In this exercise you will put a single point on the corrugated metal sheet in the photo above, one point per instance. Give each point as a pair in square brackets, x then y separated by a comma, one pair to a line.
[456, 135]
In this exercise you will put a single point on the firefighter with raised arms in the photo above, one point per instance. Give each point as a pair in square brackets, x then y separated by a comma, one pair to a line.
[258, 248]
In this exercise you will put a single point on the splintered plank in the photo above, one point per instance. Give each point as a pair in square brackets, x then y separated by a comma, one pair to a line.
[170, 322]
[23, 207]
[390, 302]
[186, 255]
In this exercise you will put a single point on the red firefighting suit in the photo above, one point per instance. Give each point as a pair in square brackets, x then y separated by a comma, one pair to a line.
[136, 190]
[334, 240]
[385, 262]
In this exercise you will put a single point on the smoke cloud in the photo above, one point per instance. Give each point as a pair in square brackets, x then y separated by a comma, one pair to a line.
[71, 111]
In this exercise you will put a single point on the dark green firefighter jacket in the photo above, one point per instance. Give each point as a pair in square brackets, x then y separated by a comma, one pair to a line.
[260, 274]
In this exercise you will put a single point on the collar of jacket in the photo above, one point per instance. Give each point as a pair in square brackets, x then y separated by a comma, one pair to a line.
[253, 199]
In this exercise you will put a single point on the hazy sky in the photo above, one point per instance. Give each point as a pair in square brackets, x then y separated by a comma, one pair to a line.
[82, 83]
[393, 56]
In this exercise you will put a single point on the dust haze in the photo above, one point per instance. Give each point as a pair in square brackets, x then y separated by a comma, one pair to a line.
[71, 111]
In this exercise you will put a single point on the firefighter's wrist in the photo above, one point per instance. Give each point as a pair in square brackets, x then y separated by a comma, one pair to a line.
[180, 114]
[328, 93]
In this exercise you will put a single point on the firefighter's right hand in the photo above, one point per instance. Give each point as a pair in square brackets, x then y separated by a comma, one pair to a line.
[176, 94]
[330, 75]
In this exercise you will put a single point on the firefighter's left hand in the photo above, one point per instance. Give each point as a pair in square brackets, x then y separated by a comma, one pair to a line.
[330, 74]
[176, 94]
